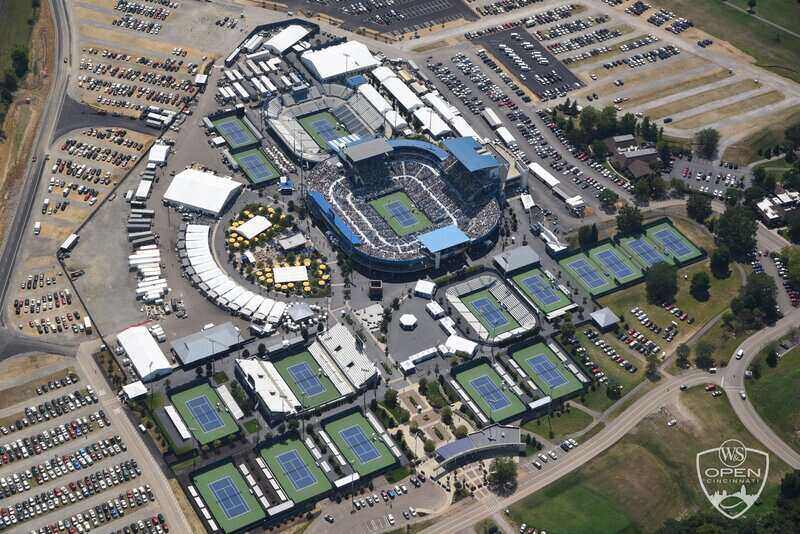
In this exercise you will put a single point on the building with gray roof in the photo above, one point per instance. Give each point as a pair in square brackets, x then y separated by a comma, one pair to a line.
[215, 341]
[516, 260]
[604, 318]
[489, 442]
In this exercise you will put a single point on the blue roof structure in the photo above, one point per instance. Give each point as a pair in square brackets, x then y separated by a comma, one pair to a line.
[355, 81]
[465, 150]
[454, 448]
[327, 210]
[419, 145]
[443, 238]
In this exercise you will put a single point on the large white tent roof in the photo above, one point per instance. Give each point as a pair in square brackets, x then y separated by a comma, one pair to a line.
[375, 99]
[253, 227]
[431, 122]
[286, 38]
[201, 191]
[144, 353]
[338, 60]
[400, 92]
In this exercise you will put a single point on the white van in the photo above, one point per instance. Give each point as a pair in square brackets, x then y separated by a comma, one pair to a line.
[740, 354]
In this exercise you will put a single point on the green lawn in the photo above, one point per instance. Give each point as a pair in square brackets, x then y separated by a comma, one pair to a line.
[776, 168]
[275, 451]
[295, 362]
[772, 49]
[647, 477]
[469, 302]
[561, 425]
[722, 291]
[381, 205]
[397, 474]
[723, 340]
[15, 15]
[308, 124]
[334, 429]
[514, 406]
[540, 349]
[780, 12]
[251, 426]
[254, 511]
[544, 307]
[570, 264]
[775, 397]
[179, 400]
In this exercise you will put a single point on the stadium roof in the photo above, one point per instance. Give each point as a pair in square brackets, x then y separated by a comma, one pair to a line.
[420, 145]
[286, 38]
[337, 221]
[367, 149]
[604, 317]
[338, 60]
[431, 121]
[443, 238]
[517, 258]
[144, 353]
[492, 436]
[201, 191]
[348, 354]
[466, 151]
[206, 343]
[374, 98]
[400, 92]
[442, 107]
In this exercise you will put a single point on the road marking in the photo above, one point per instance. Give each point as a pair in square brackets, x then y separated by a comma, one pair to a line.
[722, 383]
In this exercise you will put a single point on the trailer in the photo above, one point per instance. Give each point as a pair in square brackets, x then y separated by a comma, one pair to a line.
[231, 59]
[87, 324]
[146, 213]
[491, 118]
[243, 93]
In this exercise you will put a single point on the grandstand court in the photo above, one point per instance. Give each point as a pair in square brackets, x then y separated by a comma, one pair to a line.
[535, 285]
[485, 307]
[486, 388]
[322, 127]
[587, 274]
[400, 213]
[645, 251]
[204, 413]
[549, 373]
[235, 132]
[668, 237]
[301, 372]
[292, 464]
[256, 166]
[363, 448]
[615, 262]
[228, 498]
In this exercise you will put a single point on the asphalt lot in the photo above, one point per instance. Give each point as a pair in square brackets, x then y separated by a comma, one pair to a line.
[737, 178]
[550, 80]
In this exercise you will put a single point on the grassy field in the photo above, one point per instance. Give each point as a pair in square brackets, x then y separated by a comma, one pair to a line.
[562, 299]
[730, 110]
[254, 512]
[598, 400]
[15, 15]
[647, 477]
[562, 426]
[746, 150]
[381, 205]
[780, 12]
[776, 167]
[722, 340]
[180, 400]
[722, 291]
[514, 406]
[570, 386]
[295, 362]
[333, 430]
[775, 398]
[701, 98]
[675, 88]
[469, 302]
[273, 452]
[771, 48]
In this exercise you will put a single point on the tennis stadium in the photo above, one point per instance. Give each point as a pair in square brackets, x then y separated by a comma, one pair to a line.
[228, 498]
[360, 443]
[294, 467]
[304, 376]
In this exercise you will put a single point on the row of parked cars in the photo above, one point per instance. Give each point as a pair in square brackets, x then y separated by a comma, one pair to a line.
[639, 342]
[140, 25]
[137, 8]
[783, 272]
[155, 525]
[82, 171]
[48, 439]
[609, 351]
[69, 378]
[545, 17]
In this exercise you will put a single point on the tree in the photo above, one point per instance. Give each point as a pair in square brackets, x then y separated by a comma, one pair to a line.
[736, 229]
[447, 416]
[700, 286]
[732, 196]
[756, 304]
[262, 349]
[599, 149]
[751, 4]
[460, 432]
[698, 207]
[629, 220]
[706, 142]
[652, 366]
[683, 352]
[19, 61]
[720, 262]
[390, 398]
[587, 235]
[503, 474]
[567, 328]
[791, 256]
[662, 283]
[429, 446]
[772, 354]
[608, 199]
[641, 191]
[704, 352]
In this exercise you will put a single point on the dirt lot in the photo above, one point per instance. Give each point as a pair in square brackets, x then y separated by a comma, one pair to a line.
[736, 108]
[704, 97]
[676, 87]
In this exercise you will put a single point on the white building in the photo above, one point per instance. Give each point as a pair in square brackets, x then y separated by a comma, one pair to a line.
[286, 38]
[201, 191]
[350, 57]
[253, 227]
[144, 353]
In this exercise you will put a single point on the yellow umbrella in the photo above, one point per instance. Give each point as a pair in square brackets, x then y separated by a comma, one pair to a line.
[239, 238]
[321, 282]
[236, 245]
[247, 242]
[291, 285]
[258, 272]
[232, 240]
[306, 283]
[322, 267]
[261, 279]
[306, 289]
[306, 262]
[261, 209]
[326, 276]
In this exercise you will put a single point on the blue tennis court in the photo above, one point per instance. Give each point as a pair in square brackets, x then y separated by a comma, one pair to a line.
[647, 253]
[672, 242]
[325, 129]
[610, 259]
[587, 273]
[234, 132]
[255, 166]
[228, 497]
[296, 470]
[490, 393]
[306, 380]
[355, 437]
[542, 365]
[401, 213]
[490, 312]
[542, 291]
[204, 413]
